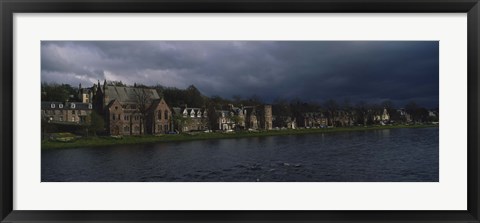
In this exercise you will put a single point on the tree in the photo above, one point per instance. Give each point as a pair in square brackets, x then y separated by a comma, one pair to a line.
[283, 112]
[412, 109]
[193, 97]
[331, 108]
[254, 100]
[97, 124]
[361, 111]
[58, 92]
[237, 99]
[143, 101]
[236, 119]
[181, 121]
[118, 83]
[212, 115]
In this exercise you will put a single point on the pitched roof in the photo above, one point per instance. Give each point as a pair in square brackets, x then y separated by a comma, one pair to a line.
[129, 94]
[47, 105]
[156, 102]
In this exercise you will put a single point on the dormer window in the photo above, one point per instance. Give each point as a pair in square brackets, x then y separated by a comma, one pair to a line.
[192, 113]
[60, 106]
[52, 105]
[90, 106]
[72, 105]
[199, 114]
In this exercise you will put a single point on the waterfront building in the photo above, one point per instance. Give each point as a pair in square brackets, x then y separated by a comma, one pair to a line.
[132, 110]
[190, 119]
[66, 112]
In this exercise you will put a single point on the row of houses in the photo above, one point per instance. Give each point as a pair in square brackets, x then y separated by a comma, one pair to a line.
[136, 111]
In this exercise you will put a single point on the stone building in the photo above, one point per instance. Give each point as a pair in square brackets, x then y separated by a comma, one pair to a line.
[312, 119]
[225, 121]
[266, 117]
[245, 117]
[191, 119]
[344, 118]
[66, 112]
[382, 117]
[132, 110]
[251, 120]
[85, 95]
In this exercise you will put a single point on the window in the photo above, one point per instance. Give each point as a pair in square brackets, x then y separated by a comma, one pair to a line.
[113, 116]
[159, 115]
[73, 112]
[126, 129]
[165, 127]
[166, 114]
[60, 106]
[52, 105]
[125, 117]
[160, 127]
[72, 105]
[119, 117]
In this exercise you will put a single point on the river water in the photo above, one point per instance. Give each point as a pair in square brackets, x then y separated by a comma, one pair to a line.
[389, 155]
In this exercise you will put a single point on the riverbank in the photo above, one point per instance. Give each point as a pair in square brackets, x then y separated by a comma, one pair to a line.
[126, 140]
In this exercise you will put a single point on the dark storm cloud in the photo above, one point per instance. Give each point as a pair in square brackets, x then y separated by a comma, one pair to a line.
[370, 71]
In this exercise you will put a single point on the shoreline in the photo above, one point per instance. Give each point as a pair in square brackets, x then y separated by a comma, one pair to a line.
[103, 141]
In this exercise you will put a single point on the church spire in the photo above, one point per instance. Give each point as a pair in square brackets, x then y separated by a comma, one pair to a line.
[105, 85]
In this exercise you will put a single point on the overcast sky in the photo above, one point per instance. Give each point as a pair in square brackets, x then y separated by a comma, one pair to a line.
[371, 71]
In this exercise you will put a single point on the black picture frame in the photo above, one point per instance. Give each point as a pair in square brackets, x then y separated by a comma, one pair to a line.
[9, 7]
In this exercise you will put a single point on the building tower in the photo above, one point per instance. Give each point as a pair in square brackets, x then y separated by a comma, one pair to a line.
[267, 117]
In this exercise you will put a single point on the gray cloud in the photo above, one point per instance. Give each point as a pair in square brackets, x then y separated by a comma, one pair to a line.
[371, 71]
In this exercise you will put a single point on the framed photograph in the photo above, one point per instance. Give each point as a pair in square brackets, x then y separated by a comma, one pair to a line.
[239, 111]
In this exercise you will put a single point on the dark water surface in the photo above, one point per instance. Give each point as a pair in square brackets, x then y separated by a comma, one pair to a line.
[390, 155]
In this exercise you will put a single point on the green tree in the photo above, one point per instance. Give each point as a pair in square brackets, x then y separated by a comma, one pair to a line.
[143, 100]
[97, 124]
[58, 92]
[331, 108]
[181, 121]
[193, 97]
[236, 119]
[118, 83]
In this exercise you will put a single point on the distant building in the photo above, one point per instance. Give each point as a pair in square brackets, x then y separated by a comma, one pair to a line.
[312, 119]
[225, 121]
[85, 95]
[190, 119]
[344, 118]
[404, 116]
[383, 117]
[245, 117]
[66, 112]
[132, 110]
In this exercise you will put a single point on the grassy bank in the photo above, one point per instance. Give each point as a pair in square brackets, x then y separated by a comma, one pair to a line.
[126, 140]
